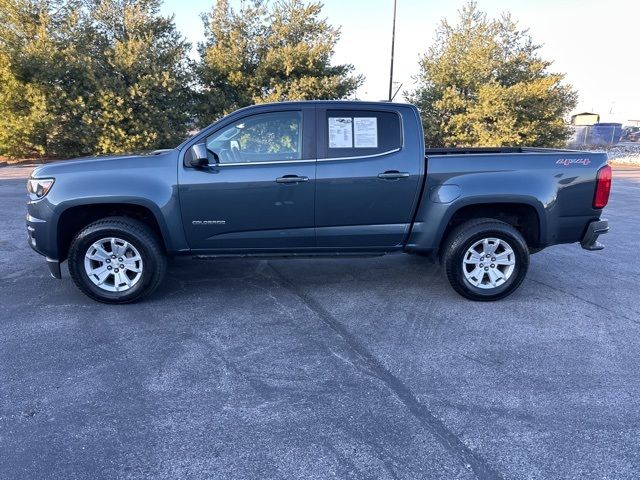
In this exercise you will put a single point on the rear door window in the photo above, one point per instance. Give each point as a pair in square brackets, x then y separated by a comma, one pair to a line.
[356, 133]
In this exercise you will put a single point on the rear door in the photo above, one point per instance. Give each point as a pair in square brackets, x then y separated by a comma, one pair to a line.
[259, 194]
[367, 181]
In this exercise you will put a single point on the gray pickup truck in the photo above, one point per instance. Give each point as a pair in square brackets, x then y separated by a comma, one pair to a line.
[317, 178]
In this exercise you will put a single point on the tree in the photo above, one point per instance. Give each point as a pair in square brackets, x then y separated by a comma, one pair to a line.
[269, 52]
[36, 65]
[91, 76]
[23, 114]
[483, 83]
[144, 88]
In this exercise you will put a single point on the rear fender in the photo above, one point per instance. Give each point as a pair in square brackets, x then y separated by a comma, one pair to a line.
[431, 224]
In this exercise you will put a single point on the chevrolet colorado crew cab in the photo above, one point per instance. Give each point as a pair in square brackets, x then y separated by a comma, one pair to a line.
[314, 178]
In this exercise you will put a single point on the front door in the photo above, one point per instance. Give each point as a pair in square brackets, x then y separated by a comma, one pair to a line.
[258, 194]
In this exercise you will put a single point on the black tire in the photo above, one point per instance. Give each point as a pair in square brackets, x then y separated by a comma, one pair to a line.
[463, 237]
[138, 235]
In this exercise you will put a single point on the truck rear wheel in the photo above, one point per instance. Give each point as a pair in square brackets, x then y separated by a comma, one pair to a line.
[485, 259]
[116, 260]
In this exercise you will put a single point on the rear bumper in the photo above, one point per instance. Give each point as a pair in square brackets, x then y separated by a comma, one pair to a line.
[594, 230]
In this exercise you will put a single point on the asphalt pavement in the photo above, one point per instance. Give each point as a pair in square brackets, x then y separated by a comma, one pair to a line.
[324, 368]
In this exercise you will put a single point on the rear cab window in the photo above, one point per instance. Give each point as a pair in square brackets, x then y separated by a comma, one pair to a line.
[359, 133]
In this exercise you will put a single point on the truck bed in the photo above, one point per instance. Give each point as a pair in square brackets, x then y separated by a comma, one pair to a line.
[556, 185]
[492, 150]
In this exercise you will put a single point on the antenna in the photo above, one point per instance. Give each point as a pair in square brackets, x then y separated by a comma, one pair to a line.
[397, 90]
[393, 43]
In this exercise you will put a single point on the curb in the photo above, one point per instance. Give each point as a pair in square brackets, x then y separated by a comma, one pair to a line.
[32, 161]
[22, 163]
[614, 164]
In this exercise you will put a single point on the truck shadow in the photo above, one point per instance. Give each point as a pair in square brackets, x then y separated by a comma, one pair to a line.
[203, 277]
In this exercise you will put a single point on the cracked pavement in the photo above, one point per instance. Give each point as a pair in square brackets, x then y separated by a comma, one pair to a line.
[324, 368]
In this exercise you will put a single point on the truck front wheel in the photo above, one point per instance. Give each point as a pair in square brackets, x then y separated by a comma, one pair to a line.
[485, 259]
[116, 260]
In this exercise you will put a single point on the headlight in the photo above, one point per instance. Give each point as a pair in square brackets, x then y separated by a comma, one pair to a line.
[39, 187]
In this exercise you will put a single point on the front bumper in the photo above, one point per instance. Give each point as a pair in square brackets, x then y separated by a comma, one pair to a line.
[38, 235]
[39, 238]
[594, 230]
[54, 268]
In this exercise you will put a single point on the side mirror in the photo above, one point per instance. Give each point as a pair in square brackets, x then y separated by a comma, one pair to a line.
[196, 156]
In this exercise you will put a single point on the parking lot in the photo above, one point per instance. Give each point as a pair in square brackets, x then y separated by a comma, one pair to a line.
[324, 368]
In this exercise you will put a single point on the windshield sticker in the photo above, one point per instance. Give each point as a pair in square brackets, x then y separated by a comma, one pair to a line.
[340, 132]
[365, 132]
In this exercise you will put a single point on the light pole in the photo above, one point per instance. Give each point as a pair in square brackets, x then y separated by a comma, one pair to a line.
[393, 42]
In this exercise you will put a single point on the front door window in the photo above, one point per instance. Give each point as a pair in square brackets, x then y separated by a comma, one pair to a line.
[267, 137]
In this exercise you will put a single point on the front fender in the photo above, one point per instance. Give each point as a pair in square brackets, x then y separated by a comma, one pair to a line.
[172, 242]
[149, 182]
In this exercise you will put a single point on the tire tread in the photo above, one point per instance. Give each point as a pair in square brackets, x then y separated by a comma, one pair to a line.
[130, 226]
[460, 235]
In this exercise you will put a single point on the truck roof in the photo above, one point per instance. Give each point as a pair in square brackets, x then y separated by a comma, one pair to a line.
[329, 103]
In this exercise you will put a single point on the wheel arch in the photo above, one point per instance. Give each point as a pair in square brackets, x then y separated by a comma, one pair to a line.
[77, 216]
[526, 217]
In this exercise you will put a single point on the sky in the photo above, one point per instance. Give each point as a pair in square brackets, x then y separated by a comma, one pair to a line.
[595, 43]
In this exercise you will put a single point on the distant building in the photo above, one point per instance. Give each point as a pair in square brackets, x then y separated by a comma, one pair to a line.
[633, 123]
[585, 119]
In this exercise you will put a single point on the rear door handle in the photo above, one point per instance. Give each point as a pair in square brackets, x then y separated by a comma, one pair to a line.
[393, 175]
[292, 179]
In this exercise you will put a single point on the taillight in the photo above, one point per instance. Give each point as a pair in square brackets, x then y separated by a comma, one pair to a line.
[603, 187]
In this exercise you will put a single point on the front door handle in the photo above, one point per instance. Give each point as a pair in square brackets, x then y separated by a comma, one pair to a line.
[393, 175]
[292, 179]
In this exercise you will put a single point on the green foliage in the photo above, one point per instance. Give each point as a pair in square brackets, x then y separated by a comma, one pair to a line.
[91, 76]
[23, 114]
[483, 84]
[144, 95]
[33, 54]
[268, 52]
[96, 76]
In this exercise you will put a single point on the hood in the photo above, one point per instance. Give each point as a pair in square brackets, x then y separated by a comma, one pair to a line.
[101, 162]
